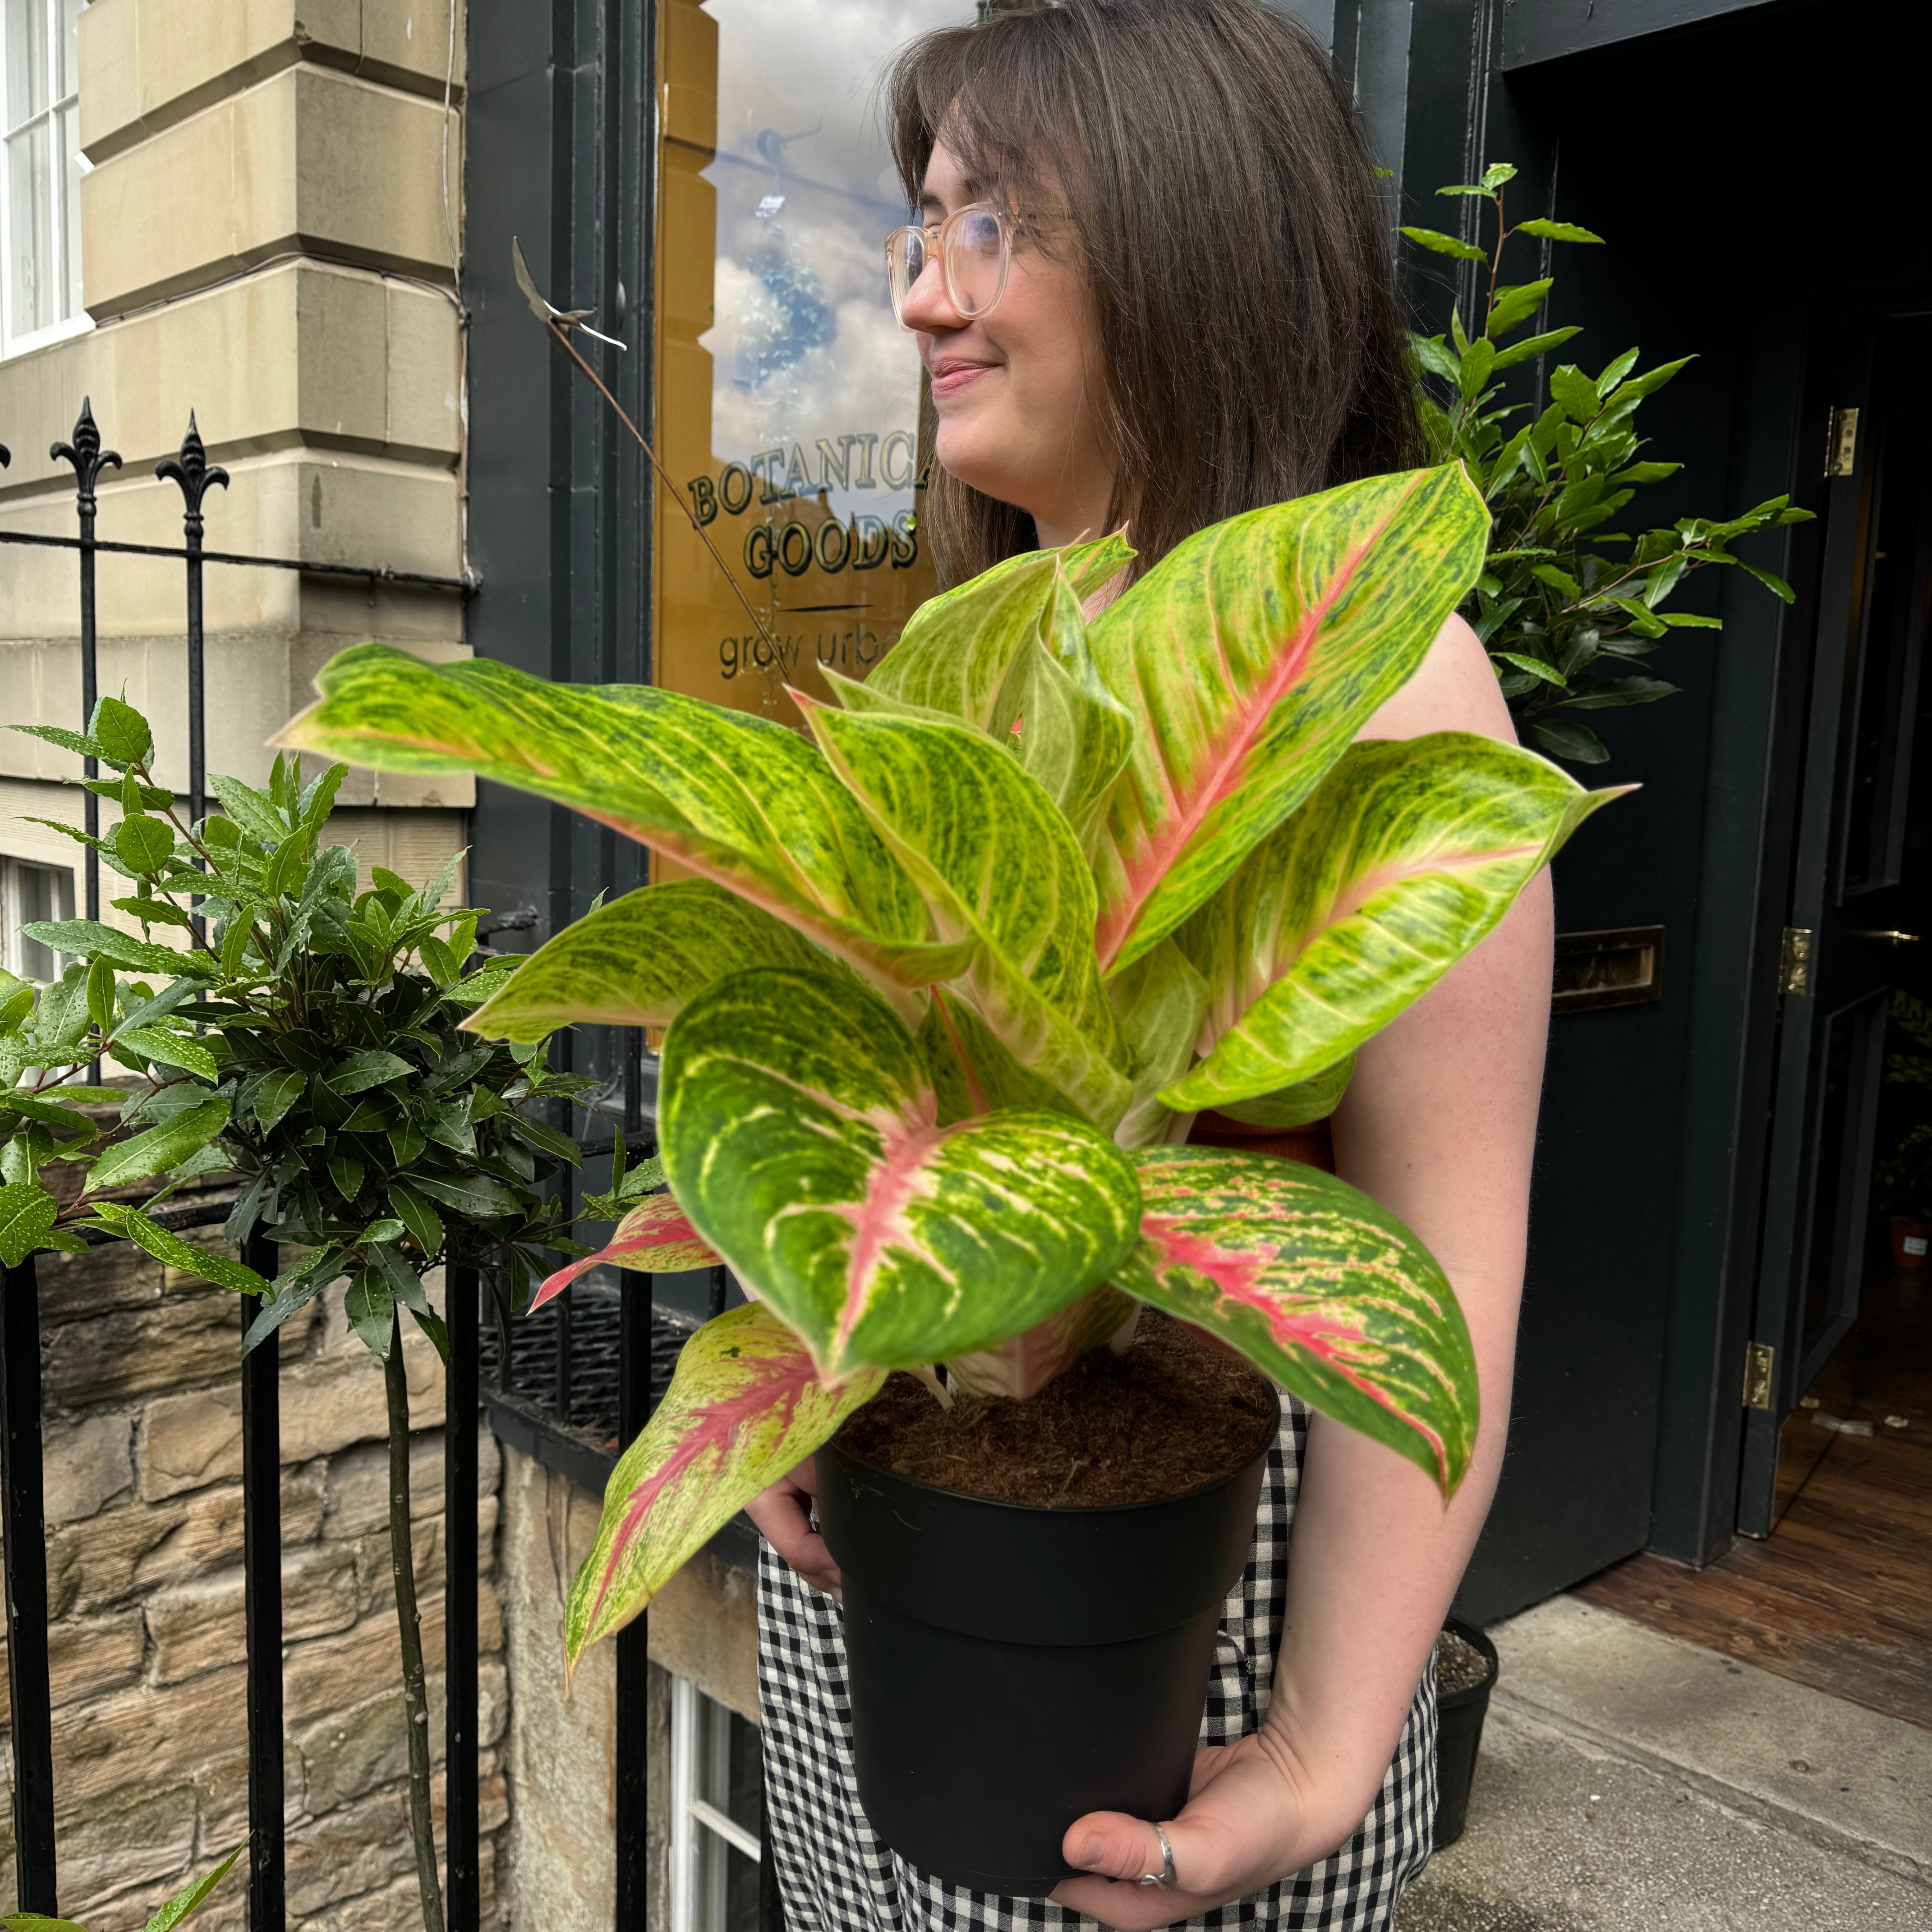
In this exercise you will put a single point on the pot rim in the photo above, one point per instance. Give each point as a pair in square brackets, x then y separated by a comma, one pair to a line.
[1240, 1468]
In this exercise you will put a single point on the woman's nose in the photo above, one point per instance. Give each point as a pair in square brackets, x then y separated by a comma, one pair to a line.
[927, 307]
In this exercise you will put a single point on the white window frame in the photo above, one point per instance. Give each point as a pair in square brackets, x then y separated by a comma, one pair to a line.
[15, 913]
[62, 232]
[703, 1835]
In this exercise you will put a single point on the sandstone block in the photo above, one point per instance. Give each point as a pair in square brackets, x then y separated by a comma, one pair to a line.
[199, 1625]
[85, 1466]
[134, 1739]
[95, 1561]
[328, 1403]
[354, 1751]
[358, 1486]
[86, 1656]
[119, 1860]
[187, 1440]
[353, 1851]
[703, 1625]
[149, 1545]
[371, 1654]
[185, 1337]
[119, 1276]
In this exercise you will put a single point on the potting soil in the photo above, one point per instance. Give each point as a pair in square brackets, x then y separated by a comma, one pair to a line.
[1168, 1415]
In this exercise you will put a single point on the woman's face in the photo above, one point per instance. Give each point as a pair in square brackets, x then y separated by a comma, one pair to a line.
[1013, 389]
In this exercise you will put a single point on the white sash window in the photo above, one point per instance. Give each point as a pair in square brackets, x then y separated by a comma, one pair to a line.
[41, 167]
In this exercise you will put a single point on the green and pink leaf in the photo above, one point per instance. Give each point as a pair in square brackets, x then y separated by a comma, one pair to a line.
[1318, 1287]
[655, 1238]
[745, 1406]
[1407, 856]
[1250, 656]
[800, 1128]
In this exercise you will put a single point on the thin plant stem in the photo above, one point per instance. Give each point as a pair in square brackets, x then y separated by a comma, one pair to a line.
[414, 1692]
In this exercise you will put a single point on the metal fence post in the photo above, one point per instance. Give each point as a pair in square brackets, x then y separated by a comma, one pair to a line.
[462, 1399]
[24, 1519]
[88, 459]
[196, 476]
[633, 1641]
[262, 1575]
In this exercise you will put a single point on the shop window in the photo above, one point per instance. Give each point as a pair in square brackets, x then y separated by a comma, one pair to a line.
[29, 892]
[716, 1815]
[40, 168]
[789, 400]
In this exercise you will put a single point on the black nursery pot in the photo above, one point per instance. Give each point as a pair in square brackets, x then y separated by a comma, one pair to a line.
[1011, 1668]
[1459, 1733]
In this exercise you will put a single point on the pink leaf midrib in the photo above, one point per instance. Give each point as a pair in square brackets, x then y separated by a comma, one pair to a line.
[1235, 1273]
[1143, 869]
[714, 1426]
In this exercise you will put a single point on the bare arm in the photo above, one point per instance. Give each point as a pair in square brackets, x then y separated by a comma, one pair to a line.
[1439, 1126]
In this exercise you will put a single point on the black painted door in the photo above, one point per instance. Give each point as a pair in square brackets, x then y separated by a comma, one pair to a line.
[1848, 919]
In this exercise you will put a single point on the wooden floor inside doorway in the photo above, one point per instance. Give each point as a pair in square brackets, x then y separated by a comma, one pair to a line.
[1839, 1595]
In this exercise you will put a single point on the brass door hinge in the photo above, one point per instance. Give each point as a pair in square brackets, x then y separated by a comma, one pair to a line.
[1794, 960]
[1759, 1358]
[1841, 443]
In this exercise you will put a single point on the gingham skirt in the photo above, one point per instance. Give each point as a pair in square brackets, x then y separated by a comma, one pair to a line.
[836, 1876]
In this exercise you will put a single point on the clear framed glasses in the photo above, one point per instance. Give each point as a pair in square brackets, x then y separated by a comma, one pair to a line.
[974, 248]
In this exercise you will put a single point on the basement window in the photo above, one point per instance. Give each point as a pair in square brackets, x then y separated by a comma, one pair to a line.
[40, 168]
[29, 892]
[717, 1814]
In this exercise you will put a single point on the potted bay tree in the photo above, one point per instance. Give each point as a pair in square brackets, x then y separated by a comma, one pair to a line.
[949, 977]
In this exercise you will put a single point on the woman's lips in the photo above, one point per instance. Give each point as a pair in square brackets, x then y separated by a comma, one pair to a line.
[951, 374]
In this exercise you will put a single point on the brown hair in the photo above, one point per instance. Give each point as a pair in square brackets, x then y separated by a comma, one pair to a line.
[1230, 233]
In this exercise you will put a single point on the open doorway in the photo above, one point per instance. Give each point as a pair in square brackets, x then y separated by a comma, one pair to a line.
[1830, 1581]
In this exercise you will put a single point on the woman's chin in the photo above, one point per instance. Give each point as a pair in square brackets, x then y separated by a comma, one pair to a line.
[971, 453]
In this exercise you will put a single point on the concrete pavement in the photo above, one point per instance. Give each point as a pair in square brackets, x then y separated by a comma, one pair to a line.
[1629, 1781]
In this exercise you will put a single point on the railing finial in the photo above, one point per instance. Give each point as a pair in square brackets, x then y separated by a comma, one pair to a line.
[193, 472]
[86, 455]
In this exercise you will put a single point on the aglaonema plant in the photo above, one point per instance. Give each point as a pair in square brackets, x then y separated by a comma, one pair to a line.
[956, 970]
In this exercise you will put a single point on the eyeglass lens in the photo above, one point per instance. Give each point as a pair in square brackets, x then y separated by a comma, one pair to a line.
[974, 262]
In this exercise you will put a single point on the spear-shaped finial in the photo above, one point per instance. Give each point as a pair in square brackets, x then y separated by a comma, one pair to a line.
[193, 472]
[86, 454]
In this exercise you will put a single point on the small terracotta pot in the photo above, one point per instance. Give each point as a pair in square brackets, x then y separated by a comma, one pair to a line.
[1911, 1242]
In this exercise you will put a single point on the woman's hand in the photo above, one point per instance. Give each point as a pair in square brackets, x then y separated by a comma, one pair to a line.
[1253, 1815]
[783, 1515]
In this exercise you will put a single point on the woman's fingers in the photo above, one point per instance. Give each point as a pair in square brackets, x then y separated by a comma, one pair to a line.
[1109, 1844]
[1238, 1831]
[783, 1515]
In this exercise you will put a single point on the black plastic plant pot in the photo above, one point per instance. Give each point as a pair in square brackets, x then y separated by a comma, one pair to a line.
[1010, 1668]
[1459, 1733]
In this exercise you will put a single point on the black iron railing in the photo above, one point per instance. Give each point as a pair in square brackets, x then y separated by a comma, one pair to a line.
[579, 1431]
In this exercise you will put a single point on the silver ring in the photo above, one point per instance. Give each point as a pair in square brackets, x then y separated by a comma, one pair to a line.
[1164, 1877]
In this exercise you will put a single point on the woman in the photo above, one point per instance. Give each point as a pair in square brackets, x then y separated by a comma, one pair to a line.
[1151, 288]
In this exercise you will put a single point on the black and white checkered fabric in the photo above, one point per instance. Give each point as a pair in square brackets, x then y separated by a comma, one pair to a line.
[836, 1876]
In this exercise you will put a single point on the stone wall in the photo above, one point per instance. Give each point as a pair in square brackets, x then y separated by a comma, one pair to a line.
[142, 1450]
[559, 1862]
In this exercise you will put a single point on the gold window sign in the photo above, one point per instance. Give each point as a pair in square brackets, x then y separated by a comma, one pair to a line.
[788, 398]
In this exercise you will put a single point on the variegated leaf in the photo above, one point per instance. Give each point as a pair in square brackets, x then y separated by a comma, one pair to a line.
[738, 800]
[744, 1407]
[1070, 732]
[655, 1237]
[1160, 999]
[1319, 1287]
[635, 961]
[958, 649]
[1314, 1098]
[997, 864]
[1250, 656]
[798, 1126]
[1406, 857]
